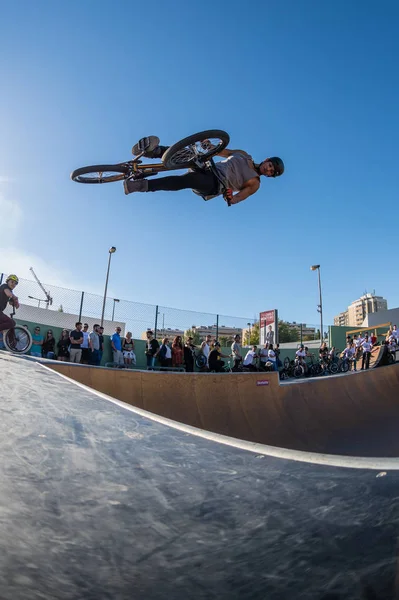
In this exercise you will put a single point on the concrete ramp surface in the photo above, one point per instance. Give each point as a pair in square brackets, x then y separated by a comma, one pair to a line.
[102, 501]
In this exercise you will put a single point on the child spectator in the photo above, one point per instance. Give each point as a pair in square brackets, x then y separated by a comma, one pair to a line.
[366, 345]
[128, 349]
[349, 355]
[63, 346]
[48, 347]
[177, 352]
[37, 343]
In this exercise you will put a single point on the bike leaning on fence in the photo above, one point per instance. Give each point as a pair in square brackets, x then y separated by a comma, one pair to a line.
[17, 339]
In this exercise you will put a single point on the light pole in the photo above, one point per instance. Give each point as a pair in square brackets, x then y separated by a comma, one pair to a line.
[38, 299]
[113, 307]
[249, 334]
[320, 306]
[111, 251]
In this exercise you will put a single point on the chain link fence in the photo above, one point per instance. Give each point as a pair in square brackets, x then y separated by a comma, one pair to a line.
[62, 307]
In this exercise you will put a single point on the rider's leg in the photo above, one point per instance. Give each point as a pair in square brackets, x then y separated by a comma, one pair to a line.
[204, 182]
[6, 322]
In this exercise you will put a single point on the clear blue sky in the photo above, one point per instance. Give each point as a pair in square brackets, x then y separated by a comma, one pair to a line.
[314, 82]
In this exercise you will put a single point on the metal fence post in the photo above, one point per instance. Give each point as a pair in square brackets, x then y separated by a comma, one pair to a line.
[217, 327]
[301, 333]
[156, 321]
[81, 306]
[1, 278]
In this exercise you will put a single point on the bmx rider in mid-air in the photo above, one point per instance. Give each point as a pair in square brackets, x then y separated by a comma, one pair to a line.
[237, 173]
[7, 294]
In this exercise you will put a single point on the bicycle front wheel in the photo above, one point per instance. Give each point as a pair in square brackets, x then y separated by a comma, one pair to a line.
[17, 340]
[101, 173]
[196, 148]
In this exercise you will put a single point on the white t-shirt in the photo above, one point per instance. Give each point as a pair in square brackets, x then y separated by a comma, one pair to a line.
[358, 343]
[205, 350]
[272, 355]
[349, 352]
[263, 353]
[366, 346]
[168, 353]
[395, 333]
[300, 353]
[249, 358]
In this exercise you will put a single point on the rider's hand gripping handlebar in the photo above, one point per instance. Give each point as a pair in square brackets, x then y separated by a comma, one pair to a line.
[228, 196]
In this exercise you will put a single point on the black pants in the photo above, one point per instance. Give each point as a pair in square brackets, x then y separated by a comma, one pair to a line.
[204, 182]
[366, 359]
[189, 365]
[237, 363]
[217, 366]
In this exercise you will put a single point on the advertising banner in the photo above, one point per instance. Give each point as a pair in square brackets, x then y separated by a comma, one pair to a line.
[268, 322]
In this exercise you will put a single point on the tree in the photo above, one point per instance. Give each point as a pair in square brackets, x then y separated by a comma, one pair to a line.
[286, 333]
[60, 309]
[308, 338]
[224, 340]
[255, 335]
[194, 334]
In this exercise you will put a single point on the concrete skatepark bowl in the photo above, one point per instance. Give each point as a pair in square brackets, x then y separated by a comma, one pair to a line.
[253, 490]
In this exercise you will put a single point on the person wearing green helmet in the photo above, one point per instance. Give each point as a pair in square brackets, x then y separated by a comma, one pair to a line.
[7, 296]
[237, 177]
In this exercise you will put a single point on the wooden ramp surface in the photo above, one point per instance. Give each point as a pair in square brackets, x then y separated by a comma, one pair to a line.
[353, 414]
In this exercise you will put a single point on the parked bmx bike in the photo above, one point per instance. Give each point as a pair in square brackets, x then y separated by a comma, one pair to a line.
[17, 340]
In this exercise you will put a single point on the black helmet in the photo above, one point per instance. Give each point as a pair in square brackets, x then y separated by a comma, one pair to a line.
[277, 164]
[216, 344]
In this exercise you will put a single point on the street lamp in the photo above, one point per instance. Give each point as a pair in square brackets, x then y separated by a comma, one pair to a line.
[249, 334]
[38, 299]
[319, 306]
[111, 251]
[113, 307]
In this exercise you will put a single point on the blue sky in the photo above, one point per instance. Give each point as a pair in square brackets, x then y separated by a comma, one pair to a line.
[313, 82]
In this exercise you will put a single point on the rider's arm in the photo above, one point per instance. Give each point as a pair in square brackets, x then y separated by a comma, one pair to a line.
[250, 187]
[12, 296]
[226, 153]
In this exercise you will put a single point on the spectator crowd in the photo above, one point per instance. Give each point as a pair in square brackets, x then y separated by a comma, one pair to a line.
[86, 347]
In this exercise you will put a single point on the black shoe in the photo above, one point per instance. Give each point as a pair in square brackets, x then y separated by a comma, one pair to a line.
[147, 145]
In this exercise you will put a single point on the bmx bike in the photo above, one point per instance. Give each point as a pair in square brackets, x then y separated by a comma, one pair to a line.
[17, 340]
[193, 152]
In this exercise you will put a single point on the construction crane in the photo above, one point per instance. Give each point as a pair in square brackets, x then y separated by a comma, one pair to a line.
[48, 300]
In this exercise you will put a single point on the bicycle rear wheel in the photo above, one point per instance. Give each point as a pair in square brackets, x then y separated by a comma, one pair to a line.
[333, 368]
[101, 173]
[195, 148]
[344, 366]
[200, 361]
[17, 340]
